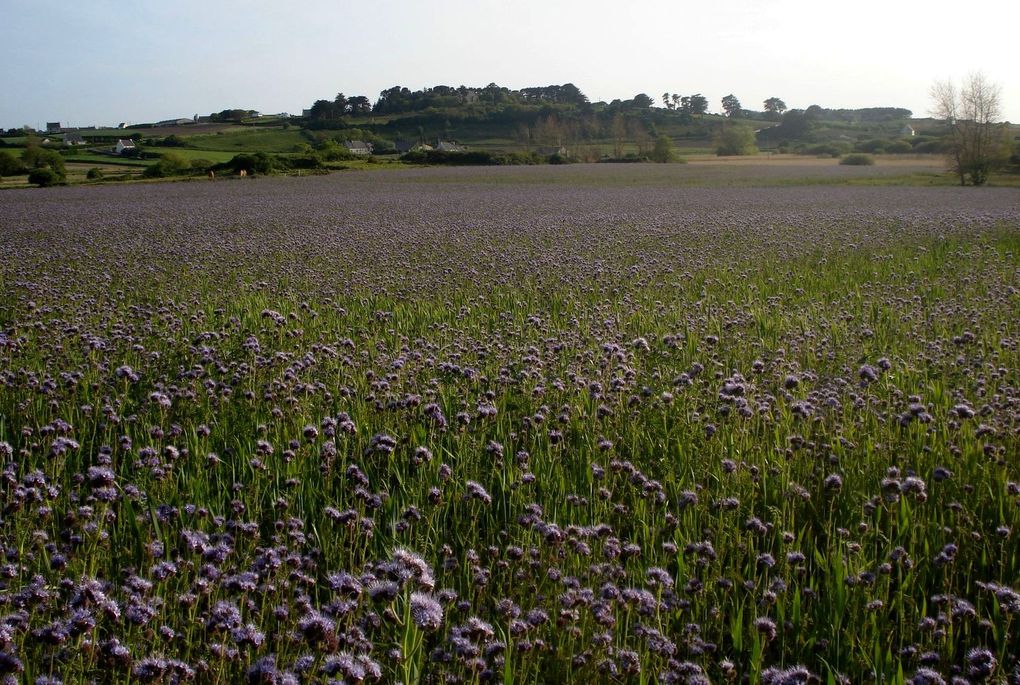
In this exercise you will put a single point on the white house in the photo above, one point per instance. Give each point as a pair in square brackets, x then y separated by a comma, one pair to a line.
[124, 145]
[358, 147]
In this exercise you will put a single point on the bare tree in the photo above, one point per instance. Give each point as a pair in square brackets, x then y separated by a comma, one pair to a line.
[975, 140]
[639, 134]
[619, 132]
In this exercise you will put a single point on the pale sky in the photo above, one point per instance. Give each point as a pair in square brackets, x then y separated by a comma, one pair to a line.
[85, 62]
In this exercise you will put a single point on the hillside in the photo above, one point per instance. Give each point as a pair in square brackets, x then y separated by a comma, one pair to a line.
[494, 124]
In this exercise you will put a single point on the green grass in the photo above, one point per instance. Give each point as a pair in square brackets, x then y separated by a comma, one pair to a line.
[189, 153]
[249, 140]
[109, 159]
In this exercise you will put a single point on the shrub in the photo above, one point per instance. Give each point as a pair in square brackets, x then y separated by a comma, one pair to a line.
[473, 158]
[44, 177]
[826, 149]
[332, 151]
[874, 145]
[898, 147]
[383, 147]
[931, 146]
[735, 139]
[170, 164]
[626, 159]
[663, 150]
[260, 162]
[94, 174]
[858, 159]
[300, 161]
[36, 157]
[10, 165]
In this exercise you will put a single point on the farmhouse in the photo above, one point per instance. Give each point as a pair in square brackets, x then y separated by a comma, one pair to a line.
[71, 139]
[907, 130]
[124, 146]
[53, 127]
[450, 146]
[411, 145]
[358, 147]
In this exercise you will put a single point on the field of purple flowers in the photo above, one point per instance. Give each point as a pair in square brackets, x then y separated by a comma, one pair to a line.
[532, 425]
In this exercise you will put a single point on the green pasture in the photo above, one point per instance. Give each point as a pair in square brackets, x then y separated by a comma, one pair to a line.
[249, 140]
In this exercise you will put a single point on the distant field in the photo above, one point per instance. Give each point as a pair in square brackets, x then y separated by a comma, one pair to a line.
[188, 153]
[76, 171]
[107, 159]
[159, 131]
[13, 181]
[250, 140]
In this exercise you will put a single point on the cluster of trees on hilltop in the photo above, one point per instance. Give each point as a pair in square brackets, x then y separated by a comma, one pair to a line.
[862, 115]
[232, 115]
[339, 107]
[402, 100]
[474, 101]
[399, 99]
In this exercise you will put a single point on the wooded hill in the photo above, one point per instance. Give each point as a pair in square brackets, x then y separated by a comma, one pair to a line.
[496, 117]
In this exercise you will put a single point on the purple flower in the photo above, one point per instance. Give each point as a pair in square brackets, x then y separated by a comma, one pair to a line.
[476, 491]
[766, 626]
[926, 676]
[868, 373]
[980, 663]
[795, 675]
[426, 612]
[10, 664]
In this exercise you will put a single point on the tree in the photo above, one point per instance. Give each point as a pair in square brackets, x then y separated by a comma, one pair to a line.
[639, 134]
[235, 115]
[9, 164]
[359, 104]
[694, 104]
[548, 131]
[619, 131]
[36, 157]
[169, 164]
[663, 150]
[775, 107]
[735, 139]
[571, 94]
[642, 101]
[976, 144]
[666, 101]
[731, 105]
[44, 177]
[796, 124]
[321, 109]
